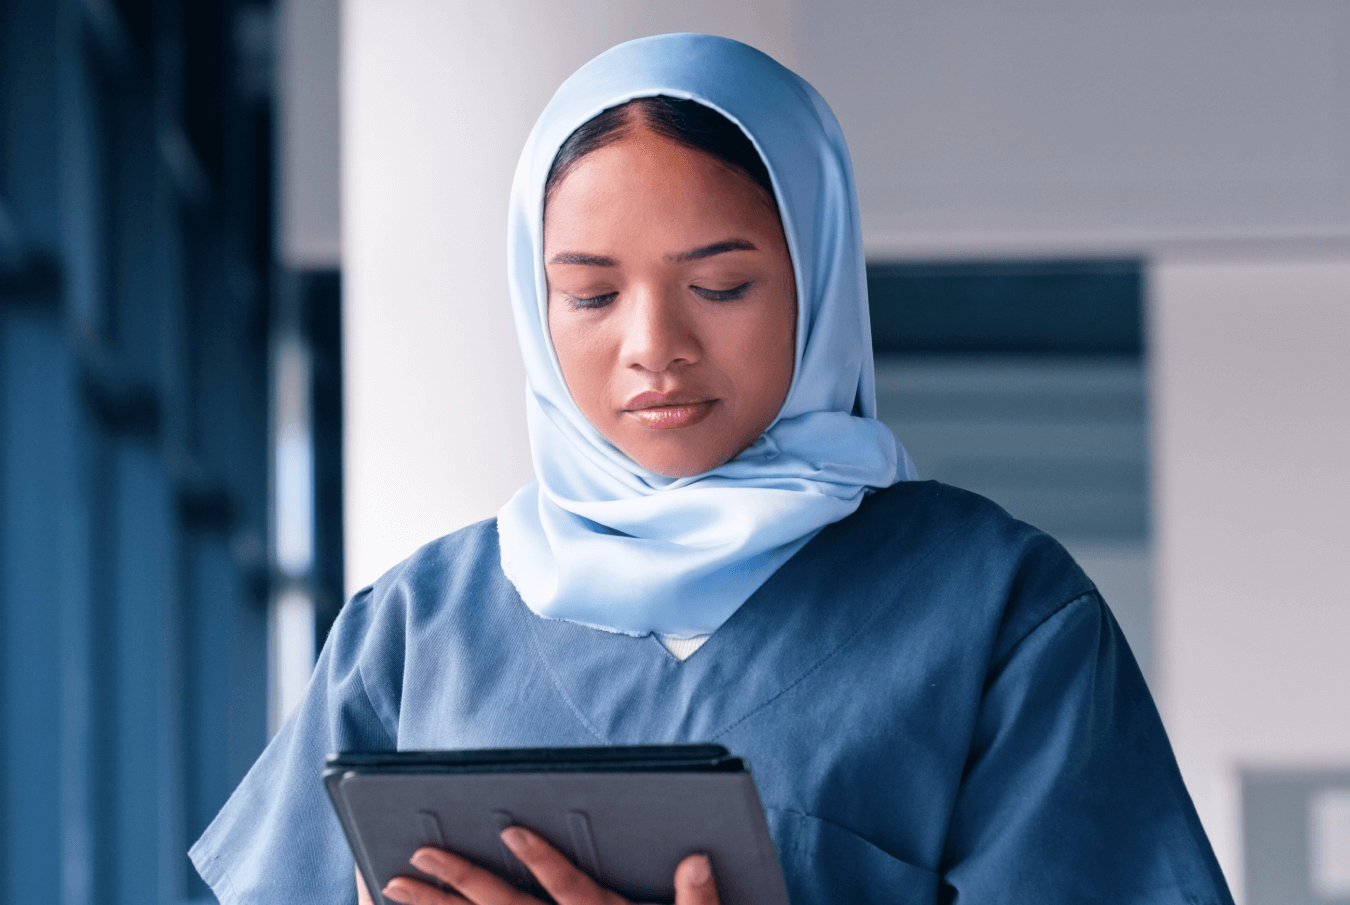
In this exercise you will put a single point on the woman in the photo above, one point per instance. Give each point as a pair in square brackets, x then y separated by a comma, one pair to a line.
[725, 545]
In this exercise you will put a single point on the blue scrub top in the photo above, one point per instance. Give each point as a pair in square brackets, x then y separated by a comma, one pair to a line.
[935, 701]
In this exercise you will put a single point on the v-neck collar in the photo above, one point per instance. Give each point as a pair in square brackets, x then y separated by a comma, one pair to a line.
[631, 690]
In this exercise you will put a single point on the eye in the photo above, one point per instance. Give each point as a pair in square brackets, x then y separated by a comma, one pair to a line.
[723, 295]
[594, 301]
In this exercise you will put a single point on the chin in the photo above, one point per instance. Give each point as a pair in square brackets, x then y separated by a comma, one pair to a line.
[680, 463]
[677, 470]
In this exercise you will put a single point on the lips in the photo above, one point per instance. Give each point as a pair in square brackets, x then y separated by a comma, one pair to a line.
[666, 411]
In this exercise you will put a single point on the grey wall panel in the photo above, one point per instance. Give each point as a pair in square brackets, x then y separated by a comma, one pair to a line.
[1057, 124]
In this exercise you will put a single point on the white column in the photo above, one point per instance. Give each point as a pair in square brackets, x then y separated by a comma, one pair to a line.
[438, 98]
[1251, 387]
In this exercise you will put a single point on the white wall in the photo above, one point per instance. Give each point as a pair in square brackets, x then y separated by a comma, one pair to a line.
[1252, 519]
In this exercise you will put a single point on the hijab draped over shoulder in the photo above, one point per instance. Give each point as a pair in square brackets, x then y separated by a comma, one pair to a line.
[600, 540]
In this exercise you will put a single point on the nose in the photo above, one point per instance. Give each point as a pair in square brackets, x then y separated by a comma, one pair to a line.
[660, 331]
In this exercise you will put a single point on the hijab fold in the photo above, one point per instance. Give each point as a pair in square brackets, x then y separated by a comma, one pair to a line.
[600, 540]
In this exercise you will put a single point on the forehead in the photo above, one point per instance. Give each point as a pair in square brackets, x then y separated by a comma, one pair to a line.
[644, 181]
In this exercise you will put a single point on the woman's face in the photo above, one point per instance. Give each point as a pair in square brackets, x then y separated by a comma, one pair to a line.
[671, 302]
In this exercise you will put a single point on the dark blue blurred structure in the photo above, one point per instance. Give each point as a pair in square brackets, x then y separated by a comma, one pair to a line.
[1048, 309]
[136, 288]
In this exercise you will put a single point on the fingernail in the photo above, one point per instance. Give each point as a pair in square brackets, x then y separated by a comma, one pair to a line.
[423, 860]
[394, 890]
[515, 838]
[700, 871]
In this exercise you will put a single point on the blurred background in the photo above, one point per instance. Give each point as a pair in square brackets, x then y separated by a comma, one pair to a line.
[255, 348]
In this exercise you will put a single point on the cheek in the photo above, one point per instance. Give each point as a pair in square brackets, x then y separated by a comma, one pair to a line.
[760, 353]
[581, 357]
[778, 360]
[776, 350]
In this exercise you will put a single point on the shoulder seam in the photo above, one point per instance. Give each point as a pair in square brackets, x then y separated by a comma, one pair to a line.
[365, 693]
[998, 665]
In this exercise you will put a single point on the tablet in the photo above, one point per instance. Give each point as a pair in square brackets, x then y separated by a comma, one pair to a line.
[625, 815]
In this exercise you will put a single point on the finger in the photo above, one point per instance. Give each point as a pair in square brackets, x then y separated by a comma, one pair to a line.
[694, 884]
[567, 884]
[362, 894]
[415, 892]
[478, 886]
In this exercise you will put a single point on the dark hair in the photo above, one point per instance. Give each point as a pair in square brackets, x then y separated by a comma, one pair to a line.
[685, 122]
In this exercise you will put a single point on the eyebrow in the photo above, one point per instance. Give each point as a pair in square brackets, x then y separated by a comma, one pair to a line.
[572, 257]
[717, 248]
[696, 254]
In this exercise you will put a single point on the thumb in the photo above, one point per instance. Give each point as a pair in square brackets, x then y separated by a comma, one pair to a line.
[694, 884]
[362, 894]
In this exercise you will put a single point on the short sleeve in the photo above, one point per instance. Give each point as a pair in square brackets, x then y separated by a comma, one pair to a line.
[277, 840]
[1071, 792]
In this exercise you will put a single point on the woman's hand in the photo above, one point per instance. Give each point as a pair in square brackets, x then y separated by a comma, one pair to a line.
[560, 878]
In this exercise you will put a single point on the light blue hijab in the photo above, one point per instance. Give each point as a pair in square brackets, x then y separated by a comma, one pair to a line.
[598, 539]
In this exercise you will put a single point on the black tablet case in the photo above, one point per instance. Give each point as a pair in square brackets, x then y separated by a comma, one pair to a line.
[625, 815]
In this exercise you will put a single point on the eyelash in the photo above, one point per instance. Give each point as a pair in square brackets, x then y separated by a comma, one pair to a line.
[723, 295]
[712, 295]
[595, 301]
